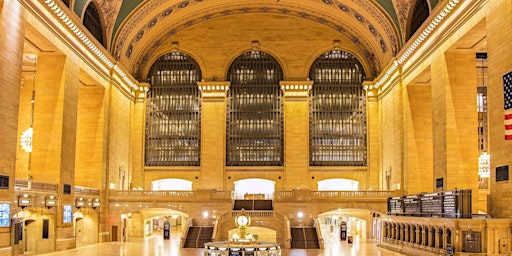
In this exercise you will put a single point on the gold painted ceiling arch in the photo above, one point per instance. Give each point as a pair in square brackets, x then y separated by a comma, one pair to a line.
[153, 23]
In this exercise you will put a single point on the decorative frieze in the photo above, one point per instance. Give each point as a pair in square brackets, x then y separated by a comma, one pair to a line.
[296, 89]
[214, 89]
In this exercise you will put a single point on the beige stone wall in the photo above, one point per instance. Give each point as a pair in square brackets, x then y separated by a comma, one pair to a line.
[137, 141]
[119, 164]
[213, 143]
[11, 57]
[418, 153]
[296, 144]
[374, 140]
[455, 140]
[90, 136]
[392, 139]
[500, 63]
[53, 156]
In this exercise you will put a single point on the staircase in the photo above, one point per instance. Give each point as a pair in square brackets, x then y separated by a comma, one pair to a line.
[197, 236]
[304, 238]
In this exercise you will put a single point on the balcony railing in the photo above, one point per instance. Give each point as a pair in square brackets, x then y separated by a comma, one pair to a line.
[36, 186]
[279, 196]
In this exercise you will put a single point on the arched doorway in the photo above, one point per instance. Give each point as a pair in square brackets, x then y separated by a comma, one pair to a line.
[29, 235]
[38, 231]
[86, 227]
[254, 189]
[150, 223]
[337, 225]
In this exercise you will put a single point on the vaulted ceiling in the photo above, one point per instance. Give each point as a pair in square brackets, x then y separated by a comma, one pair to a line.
[139, 30]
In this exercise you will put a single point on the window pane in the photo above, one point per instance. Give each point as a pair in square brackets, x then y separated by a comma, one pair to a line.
[337, 111]
[173, 112]
[255, 120]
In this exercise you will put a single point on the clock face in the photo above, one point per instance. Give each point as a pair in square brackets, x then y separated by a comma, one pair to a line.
[242, 220]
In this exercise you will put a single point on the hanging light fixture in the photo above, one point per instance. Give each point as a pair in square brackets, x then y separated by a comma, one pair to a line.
[484, 160]
[484, 165]
[26, 136]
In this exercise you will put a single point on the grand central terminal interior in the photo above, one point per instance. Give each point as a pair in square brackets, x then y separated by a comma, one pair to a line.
[243, 127]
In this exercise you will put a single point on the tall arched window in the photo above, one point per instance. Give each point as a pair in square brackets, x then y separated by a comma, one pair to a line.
[419, 15]
[92, 21]
[173, 112]
[254, 111]
[337, 130]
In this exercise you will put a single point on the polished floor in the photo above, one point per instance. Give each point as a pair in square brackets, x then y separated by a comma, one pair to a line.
[156, 246]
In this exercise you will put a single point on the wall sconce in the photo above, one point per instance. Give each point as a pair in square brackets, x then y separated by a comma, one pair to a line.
[24, 201]
[50, 201]
[96, 203]
[80, 202]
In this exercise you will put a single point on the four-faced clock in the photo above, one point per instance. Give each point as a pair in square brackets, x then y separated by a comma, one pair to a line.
[242, 220]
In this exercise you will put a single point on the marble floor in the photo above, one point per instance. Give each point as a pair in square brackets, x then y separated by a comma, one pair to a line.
[156, 246]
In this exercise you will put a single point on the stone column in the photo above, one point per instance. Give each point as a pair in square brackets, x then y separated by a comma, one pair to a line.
[437, 235]
[55, 128]
[11, 60]
[213, 134]
[137, 138]
[417, 234]
[296, 132]
[397, 231]
[406, 238]
[431, 233]
[374, 137]
[445, 238]
[423, 235]
[455, 133]
[402, 231]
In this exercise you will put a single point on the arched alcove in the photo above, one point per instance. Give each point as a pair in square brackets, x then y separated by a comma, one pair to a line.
[252, 187]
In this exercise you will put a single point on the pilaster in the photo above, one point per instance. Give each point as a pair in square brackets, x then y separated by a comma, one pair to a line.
[213, 134]
[11, 60]
[296, 132]
[137, 137]
[373, 137]
[455, 122]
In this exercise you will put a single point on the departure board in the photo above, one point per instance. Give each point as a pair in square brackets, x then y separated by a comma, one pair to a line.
[446, 204]
[432, 203]
[395, 205]
[412, 204]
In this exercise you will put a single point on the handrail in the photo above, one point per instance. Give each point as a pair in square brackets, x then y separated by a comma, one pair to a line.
[20, 184]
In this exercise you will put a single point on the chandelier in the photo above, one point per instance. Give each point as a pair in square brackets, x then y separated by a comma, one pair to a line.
[26, 140]
[27, 135]
[484, 165]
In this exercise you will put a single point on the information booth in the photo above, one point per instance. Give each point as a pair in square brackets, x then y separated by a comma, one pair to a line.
[233, 249]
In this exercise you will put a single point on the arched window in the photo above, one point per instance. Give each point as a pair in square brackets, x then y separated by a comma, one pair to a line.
[419, 15]
[92, 21]
[173, 127]
[337, 128]
[254, 111]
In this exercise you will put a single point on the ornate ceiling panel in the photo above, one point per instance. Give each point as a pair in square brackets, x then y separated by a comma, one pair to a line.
[154, 22]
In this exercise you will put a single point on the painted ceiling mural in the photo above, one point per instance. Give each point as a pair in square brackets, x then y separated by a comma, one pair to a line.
[136, 29]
